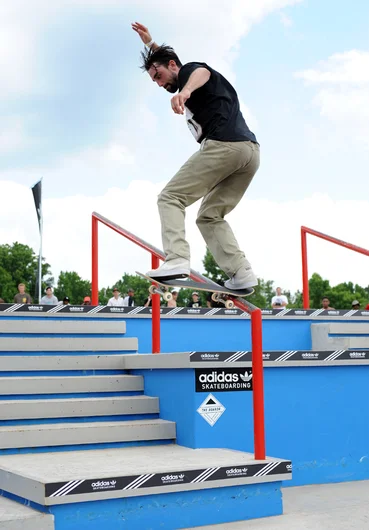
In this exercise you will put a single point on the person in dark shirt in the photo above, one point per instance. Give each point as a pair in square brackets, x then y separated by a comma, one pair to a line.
[195, 302]
[219, 173]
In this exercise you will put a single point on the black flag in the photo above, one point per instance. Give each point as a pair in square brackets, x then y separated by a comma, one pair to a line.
[36, 190]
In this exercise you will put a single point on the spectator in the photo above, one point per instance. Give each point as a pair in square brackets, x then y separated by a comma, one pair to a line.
[195, 302]
[367, 308]
[86, 300]
[355, 304]
[148, 301]
[22, 297]
[116, 299]
[279, 301]
[66, 300]
[325, 303]
[49, 299]
[128, 301]
[173, 301]
[2, 301]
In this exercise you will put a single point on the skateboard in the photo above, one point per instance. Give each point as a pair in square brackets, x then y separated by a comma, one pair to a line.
[218, 292]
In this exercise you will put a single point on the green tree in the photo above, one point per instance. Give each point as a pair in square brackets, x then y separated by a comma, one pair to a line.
[19, 264]
[212, 270]
[318, 288]
[72, 285]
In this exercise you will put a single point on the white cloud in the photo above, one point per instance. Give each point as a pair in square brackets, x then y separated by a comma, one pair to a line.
[348, 68]
[12, 134]
[286, 21]
[268, 231]
[343, 93]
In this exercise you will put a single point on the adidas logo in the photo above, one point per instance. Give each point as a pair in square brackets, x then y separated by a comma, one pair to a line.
[237, 471]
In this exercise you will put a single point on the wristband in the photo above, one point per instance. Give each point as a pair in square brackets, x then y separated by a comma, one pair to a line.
[149, 44]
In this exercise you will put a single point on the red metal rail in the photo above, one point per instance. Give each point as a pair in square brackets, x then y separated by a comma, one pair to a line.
[305, 276]
[254, 312]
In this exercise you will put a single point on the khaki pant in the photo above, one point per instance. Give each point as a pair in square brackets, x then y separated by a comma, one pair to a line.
[220, 172]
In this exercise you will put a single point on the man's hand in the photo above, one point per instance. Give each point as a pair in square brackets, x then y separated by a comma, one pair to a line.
[142, 31]
[178, 101]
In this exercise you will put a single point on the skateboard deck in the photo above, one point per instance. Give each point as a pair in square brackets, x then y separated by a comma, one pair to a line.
[197, 286]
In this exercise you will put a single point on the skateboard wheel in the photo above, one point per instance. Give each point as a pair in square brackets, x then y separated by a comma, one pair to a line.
[229, 304]
[152, 289]
[215, 297]
[167, 296]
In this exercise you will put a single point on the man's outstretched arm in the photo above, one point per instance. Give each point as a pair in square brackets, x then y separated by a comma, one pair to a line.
[197, 79]
[144, 34]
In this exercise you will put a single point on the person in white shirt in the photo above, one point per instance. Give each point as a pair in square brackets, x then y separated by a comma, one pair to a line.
[116, 299]
[279, 301]
[128, 301]
[49, 298]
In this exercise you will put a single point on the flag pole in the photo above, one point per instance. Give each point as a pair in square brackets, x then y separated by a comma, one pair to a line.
[40, 254]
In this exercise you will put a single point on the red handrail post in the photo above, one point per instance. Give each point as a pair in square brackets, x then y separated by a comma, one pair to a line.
[258, 384]
[95, 263]
[155, 315]
[305, 276]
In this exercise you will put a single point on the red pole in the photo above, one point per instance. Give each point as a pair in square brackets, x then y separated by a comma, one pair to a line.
[305, 276]
[258, 384]
[155, 312]
[95, 264]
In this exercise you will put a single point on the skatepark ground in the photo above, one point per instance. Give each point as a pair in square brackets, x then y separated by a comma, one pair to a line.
[343, 506]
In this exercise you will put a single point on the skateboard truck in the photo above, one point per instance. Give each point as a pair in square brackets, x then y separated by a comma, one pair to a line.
[164, 292]
[218, 298]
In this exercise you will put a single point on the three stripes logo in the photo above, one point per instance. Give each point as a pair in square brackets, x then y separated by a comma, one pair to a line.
[267, 469]
[67, 488]
[205, 475]
[235, 357]
[138, 482]
[286, 355]
[333, 356]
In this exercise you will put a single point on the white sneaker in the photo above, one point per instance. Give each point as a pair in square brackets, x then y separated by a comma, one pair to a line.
[243, 279]
[172, 269]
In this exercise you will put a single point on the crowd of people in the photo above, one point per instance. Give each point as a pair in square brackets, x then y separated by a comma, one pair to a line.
[279, 300]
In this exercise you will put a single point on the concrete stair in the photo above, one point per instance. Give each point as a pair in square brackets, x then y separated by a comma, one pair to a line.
[64, 434]
[80, 399]
[71, 384]
[15, 516]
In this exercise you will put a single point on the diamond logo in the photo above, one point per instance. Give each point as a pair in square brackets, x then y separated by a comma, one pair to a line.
[211, 409]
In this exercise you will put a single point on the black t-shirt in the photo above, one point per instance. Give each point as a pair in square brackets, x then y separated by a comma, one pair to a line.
[213, 110]
[195, 304]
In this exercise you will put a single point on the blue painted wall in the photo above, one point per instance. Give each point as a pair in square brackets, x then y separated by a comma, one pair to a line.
[182, 510]
[318, 417]
[224, 334]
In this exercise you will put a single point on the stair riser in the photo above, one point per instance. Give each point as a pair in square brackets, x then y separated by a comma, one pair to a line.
[83, 447]
[92, 435]
[53, 421]
[77, 408]
[63, 385]
[46, 397]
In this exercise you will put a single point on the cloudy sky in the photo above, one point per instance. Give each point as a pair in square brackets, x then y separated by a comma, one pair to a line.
[76, 110]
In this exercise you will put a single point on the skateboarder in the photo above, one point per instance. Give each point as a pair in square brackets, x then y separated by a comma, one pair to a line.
[219, 173]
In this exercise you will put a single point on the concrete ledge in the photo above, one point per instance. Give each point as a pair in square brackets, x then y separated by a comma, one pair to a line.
[57, 434]
[77, 407]
[63, 326]
[41, 363]
[15, 516]
[70, 384]
[28, 344]
[133, 471]
[273, 359]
